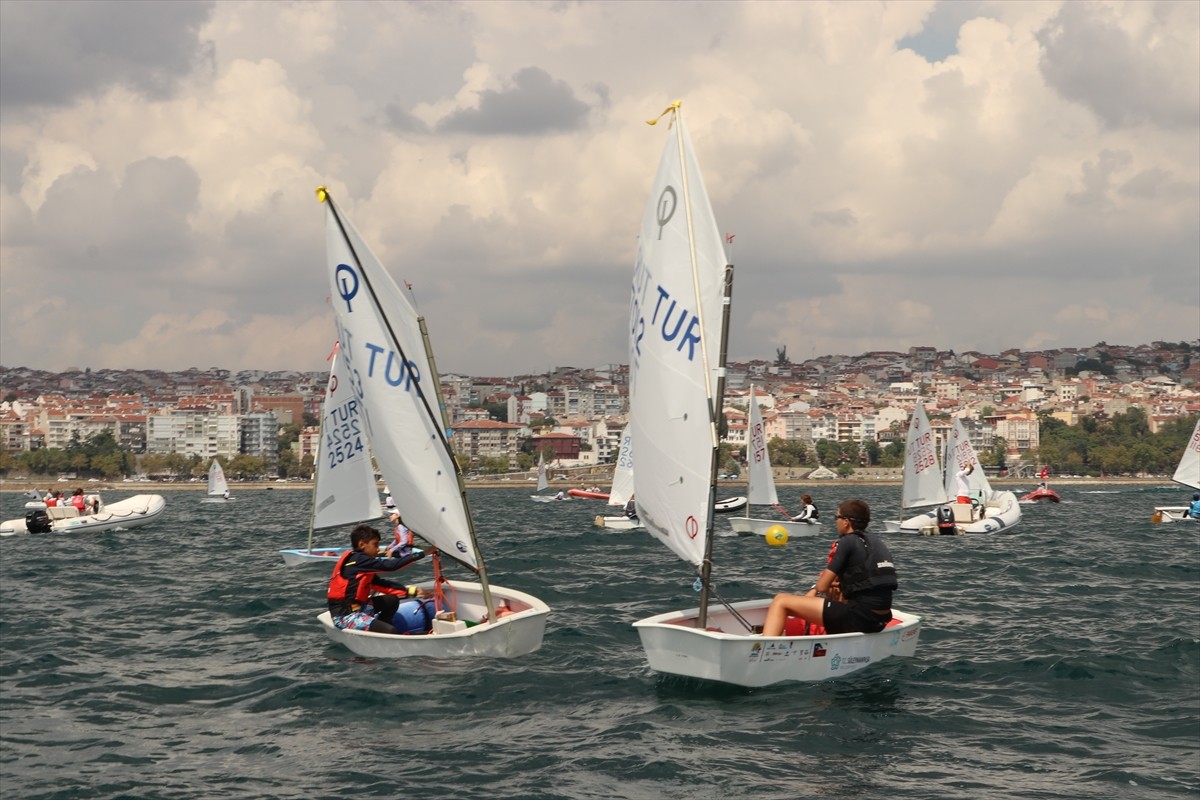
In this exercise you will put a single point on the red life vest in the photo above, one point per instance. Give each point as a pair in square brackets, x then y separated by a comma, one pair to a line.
[79, 502]
[354, 590]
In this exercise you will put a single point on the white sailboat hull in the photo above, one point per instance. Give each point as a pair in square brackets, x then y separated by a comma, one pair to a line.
[675, 646]
[621, 523]
[515, 635]
[1003, 511]
[1172, 514]
[318, 555]
[750, 526]
[132, 512]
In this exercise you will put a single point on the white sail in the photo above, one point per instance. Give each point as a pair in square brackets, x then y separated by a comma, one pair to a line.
[674, 341]
[1188, 471]
[960, 452]
[922, 477]
[390, 372]
[543, 481]
[622, 485]
[760, 478]
[344, 486]
[217, 485]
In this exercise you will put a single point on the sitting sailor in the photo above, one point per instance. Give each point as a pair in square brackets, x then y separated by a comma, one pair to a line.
[1194, 509]
[809, 513]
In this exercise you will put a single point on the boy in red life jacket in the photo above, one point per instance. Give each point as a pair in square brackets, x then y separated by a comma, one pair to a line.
[352, 604]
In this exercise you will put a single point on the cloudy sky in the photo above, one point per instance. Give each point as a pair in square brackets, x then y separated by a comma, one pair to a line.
[968, 175]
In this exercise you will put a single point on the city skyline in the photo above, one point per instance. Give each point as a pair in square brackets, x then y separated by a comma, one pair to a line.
[971, 174]
[904, 353]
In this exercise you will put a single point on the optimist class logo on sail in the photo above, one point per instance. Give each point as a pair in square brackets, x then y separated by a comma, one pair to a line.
[395, 370]
[670, 320]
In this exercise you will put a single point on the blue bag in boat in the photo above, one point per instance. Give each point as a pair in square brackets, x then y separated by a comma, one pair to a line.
[414, 616]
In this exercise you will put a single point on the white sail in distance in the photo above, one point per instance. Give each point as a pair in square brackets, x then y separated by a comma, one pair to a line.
[1188, 471]
[922, 476]
[961, 453]
[344, 486]
[622, 485]
[761, 479]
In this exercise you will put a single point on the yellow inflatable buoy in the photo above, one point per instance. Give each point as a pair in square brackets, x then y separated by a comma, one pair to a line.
[776, 535]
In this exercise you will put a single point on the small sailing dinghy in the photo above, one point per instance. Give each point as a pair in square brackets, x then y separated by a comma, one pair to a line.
[922, 484]
[344, 490]
[762, 485]
[678, 321]
[543, 482]
[395, 379]
[218, 487]
[622, 489]
[1187, 474]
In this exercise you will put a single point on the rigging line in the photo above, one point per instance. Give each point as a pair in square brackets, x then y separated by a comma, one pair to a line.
[729, 607]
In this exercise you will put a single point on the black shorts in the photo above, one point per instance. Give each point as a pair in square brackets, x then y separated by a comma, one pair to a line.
[843, 618]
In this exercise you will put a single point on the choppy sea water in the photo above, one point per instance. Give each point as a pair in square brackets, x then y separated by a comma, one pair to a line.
[184, 660]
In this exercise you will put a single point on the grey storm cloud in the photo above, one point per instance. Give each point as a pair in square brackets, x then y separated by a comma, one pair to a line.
[1089, 58]
[534, 104]
[54, 52]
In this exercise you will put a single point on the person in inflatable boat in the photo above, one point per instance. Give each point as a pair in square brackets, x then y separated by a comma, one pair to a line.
[353, 603]
[863, 565]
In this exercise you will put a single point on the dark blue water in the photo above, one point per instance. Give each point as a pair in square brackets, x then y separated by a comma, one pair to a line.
[183, 660]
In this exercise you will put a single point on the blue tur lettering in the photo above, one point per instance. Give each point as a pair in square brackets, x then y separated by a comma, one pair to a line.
[690, 337]
[396, 370]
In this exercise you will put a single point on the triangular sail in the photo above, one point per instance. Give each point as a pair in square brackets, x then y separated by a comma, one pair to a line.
[543, 480]
[960, 452]
[622, 485]
[676, 330]
[1188, 471]
[761, 480]
[382, 342]
[217, 484]
[344, 485]
[922, 477]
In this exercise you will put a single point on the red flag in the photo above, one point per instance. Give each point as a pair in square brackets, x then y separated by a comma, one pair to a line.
[1045, 473]
[729, 238]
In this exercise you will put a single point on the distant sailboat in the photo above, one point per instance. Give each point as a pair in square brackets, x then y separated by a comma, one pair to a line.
[622, 489]
[1186, 474]
[543, 482]
[344, 481]
[218, 487]
[925, 485]
[761, 481]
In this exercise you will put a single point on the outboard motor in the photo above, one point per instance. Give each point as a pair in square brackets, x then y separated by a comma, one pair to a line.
[38, 521]
[945, 521]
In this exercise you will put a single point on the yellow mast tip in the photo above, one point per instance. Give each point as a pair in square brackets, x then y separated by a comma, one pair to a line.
[322, 194]
[673, 107]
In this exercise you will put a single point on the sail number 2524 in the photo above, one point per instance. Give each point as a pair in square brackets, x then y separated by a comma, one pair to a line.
[343, 438]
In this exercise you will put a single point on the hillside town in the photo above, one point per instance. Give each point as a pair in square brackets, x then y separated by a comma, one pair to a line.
[577, 414]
